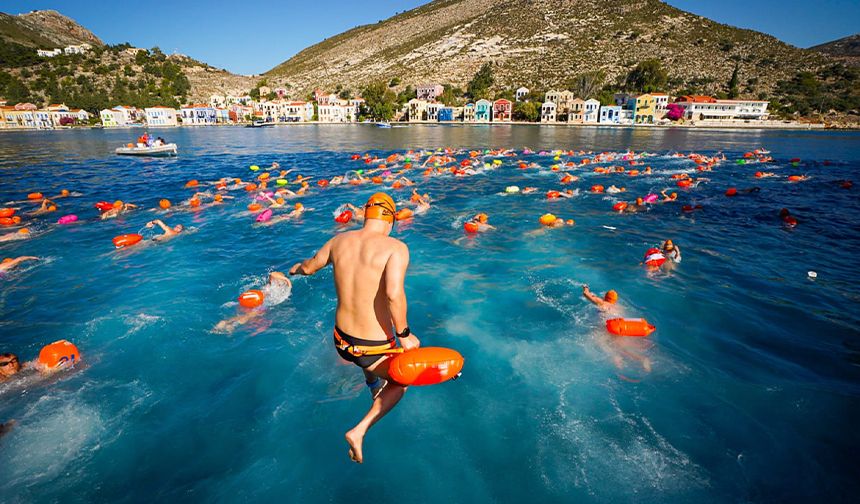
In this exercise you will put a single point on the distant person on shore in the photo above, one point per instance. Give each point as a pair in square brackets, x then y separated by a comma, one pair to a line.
[169, 232]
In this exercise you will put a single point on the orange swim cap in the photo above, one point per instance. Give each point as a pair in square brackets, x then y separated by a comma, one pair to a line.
[299, 206]
[380, 206]
[24, 231]
[482, 218]
[8, 259]
[611, 297]
[64, 192]
[117, 204]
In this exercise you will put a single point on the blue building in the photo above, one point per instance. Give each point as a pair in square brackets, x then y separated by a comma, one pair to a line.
[610, 114]
[483, 110]
[446, 114]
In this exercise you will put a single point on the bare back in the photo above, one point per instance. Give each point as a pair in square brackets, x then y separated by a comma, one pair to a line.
[359, 259]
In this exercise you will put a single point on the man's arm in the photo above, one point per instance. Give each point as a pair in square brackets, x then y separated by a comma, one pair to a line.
[395, 292]
[319, 261]
[591, 297]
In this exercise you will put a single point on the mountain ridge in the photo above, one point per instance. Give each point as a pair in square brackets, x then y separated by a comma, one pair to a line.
[846, 49]
[45, 29]
[543, 44]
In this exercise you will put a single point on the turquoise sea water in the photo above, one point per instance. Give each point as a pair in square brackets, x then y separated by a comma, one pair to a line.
[752, 395]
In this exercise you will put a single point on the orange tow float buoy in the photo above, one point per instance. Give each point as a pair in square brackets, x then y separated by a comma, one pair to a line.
[403, 214]
[59, 353]
[620, 206]
[126, 240]
[252, 298]
[629, 327]
[164, 204]
[654, 258]
[35, 196]
[6, 212]
[192, 183]
[426, 366]
[684, 183]
[597, 188]
[470, 227]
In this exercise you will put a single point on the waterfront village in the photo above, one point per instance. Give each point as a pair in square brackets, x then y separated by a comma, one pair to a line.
[276, 107]
[558, 107]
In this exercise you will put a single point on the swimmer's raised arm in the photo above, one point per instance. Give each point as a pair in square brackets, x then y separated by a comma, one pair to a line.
[591, 296]
[310, 266]
[160, 224]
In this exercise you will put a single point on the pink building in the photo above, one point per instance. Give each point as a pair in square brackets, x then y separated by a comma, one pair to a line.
[428, 92]
[502, 110]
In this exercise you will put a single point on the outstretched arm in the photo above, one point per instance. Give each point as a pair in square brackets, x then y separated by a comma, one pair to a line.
[591, 297]
[319, 261]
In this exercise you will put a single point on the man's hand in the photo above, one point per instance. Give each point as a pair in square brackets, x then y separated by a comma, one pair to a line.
[150, 224]
[296, 269]
[410, 342]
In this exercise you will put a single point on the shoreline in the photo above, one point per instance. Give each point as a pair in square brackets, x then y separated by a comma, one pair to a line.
[770, 125]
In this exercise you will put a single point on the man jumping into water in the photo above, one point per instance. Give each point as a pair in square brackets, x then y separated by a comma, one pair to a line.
[369, 273]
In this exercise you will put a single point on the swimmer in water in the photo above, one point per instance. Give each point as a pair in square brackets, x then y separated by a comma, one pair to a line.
[638, 206]
[481, 220]
[369, 276]
[357, 213]
[47, 206]
[668, 198]
[278, 289]
[21, 234]
[117, 210]
[169, 232]
[617, 348]
[9, 263]
[529, 190]
[298, 210]
[9, 366]
[615, 190]
[607, 302]
[672, 251]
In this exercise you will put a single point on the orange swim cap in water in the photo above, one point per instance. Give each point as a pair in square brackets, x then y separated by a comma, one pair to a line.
[380, 206]
[611, 296]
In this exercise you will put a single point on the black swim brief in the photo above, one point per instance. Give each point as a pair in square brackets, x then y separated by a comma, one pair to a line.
[349, 348]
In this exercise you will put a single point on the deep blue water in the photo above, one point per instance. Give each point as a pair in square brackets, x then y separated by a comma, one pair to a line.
[753, 393]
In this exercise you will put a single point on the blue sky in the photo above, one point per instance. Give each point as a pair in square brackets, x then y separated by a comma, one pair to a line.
[252, 37]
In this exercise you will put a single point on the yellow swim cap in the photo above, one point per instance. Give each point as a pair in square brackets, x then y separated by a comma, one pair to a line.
[380, 206]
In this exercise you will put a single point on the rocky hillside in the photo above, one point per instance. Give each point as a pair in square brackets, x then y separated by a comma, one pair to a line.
[846, 49]
[543, 44]
[105, 76]
[45, 30]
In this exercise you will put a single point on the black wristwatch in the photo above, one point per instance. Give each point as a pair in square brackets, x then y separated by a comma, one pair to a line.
[405, 333]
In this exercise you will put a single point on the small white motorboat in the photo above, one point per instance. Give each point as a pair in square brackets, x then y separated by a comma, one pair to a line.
[156, 151]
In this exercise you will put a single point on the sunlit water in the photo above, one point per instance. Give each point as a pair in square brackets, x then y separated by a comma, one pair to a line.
[752, 394]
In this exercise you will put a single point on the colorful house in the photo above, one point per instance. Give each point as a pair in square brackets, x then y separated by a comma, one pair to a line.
[160, 116]
[446, 114]
[521, 93]
[469, 112]
[416, 110]
[643, 107]
[502, 110]
[428, 92]
[591, 110]
[197, 114]
[577, 109]
[610, 114]
[483, 110]
[547, 112]
[661, 104]
[432, 111]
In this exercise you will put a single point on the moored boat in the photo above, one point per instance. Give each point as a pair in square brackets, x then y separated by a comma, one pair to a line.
[157, 151]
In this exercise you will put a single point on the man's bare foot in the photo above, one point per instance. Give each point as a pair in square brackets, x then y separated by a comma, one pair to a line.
[354, 439]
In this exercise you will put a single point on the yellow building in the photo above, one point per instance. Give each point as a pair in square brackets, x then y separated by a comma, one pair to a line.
[644, 108]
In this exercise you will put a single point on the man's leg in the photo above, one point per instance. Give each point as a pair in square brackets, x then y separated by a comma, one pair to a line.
[382, 404]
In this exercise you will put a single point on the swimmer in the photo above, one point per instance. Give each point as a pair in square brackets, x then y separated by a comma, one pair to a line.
[298, 210]
[615, 190]
[422, 203]
[21, 234]
[64, 193]
[9, 366]
[605, 303]
[369, 276]
[529, 190]
[9, 263]
[672, 251]
[168, 231]
[117, 210]
[765, 174]
[638, 206]
[357, 213]
[668, 198]
[47, 206]
[618, 349]
[481, 220]
[277, 288]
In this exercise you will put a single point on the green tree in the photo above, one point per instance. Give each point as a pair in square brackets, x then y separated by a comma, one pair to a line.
[394, 82]
[405, 95]
[526, 111]
[379, 101]
[479, 86]
[450, 96]
[647, 76]
[588, 84]
[733, 84]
